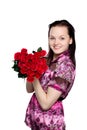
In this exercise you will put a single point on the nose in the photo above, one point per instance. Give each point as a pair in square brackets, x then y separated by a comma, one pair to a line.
[56, 41]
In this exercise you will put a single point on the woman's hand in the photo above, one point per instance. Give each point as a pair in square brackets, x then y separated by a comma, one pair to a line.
[29, 87]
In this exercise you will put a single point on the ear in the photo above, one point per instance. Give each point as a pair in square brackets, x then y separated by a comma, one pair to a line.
[70, 41]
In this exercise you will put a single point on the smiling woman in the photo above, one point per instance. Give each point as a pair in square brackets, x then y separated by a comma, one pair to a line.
[59, 39]
[45, 109]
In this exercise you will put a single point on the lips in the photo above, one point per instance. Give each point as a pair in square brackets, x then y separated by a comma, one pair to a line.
[57, 47]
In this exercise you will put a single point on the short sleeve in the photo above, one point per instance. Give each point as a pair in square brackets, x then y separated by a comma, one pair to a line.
[63, 77]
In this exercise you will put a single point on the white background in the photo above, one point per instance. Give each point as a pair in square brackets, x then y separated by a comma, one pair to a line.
[24, 23]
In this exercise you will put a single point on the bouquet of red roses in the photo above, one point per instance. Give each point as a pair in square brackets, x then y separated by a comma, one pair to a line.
[30, 65]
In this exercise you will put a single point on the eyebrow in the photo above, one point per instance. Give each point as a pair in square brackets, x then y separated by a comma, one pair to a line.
[60, 35]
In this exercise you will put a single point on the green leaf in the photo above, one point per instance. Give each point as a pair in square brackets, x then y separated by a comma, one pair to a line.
[16, 68]
[21, 75]
[39, 49]
[16, 62]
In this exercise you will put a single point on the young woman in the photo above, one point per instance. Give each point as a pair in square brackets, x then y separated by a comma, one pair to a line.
[45, 109]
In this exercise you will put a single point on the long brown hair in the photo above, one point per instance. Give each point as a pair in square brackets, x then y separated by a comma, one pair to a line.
[71, 32]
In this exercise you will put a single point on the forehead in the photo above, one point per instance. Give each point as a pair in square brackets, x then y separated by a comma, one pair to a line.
[59, 30]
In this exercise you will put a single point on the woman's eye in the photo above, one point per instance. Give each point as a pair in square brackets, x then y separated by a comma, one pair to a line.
[52, 38]
[62, 38]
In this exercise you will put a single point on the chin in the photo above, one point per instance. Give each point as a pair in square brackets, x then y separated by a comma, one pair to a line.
[57, 52]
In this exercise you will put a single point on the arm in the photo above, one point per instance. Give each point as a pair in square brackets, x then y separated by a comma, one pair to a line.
[46, 100]
[29, 87]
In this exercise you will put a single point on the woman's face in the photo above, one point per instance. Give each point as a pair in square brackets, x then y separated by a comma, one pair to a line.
[59, 39]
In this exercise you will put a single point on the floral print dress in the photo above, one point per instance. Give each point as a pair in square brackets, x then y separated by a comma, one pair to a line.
[60, 76]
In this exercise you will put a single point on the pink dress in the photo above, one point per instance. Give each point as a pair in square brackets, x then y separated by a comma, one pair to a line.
[60, 76]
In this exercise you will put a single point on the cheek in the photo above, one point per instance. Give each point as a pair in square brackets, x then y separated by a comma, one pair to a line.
[50, 44]
[67, 46]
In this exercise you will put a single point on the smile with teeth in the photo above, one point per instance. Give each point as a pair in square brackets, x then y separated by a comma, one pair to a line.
[57, 47]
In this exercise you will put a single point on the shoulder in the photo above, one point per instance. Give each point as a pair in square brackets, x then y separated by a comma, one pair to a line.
[65, 69]
[66, 65]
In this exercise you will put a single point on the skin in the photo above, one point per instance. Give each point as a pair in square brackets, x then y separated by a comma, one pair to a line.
[59, 41]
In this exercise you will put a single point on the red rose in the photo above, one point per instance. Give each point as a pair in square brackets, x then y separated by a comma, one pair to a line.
[30, 76]
[23, 70]
[37, 75]
[39, 54]
[40, 69]
[42, 53]
[30, 72]
[30, 79]
[23, 57]
[30, 65]
[29, 58]
[22, 65]
[24, 50]
[17, 56]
